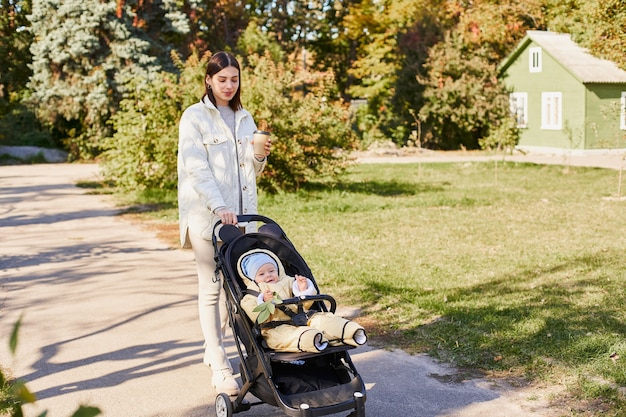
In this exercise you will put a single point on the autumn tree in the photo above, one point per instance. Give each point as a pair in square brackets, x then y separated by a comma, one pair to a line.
[463, 98]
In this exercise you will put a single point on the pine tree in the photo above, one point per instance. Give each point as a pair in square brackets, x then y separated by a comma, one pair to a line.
[85, 54]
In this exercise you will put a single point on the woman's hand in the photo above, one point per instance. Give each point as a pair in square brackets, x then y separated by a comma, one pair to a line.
[227, 216]
[266, 149]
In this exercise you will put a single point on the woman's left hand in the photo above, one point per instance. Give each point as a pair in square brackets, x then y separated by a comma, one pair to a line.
[268, 146]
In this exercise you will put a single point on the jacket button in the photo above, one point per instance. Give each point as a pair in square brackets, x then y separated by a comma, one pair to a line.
[215, 140]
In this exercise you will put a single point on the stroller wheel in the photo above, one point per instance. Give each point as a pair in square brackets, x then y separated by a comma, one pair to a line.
[223, 406]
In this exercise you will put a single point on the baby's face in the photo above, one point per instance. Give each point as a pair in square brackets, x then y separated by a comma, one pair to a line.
[267, 273]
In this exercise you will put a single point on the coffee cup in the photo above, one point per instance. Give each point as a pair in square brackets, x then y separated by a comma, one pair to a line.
[260, 137]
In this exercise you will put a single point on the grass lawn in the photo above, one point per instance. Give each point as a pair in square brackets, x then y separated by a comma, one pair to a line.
[522, 275]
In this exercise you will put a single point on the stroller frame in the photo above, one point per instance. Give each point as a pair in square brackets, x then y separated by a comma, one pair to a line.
[261, 369]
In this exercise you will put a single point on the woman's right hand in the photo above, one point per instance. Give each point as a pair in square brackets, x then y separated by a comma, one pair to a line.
[227, 216]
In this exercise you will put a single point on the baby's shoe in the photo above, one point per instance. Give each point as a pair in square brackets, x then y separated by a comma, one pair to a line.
[360, 337]
[320, 343]
[224, 381]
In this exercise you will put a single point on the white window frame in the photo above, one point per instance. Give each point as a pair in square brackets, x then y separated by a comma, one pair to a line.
[622, 113]
[518, 102]
[534, 59]
[552, 110]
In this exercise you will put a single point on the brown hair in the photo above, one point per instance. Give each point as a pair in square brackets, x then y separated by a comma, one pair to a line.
[218, 62]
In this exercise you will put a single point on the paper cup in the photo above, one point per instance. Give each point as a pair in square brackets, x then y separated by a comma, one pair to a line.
[260, 137]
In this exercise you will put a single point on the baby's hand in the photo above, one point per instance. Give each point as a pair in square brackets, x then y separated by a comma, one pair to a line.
[268, 295]
[303, 283]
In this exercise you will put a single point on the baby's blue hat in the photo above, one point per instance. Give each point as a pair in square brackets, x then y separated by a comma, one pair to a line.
[251, 263]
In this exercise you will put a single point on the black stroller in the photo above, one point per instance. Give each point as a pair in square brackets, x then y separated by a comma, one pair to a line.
[301, 384]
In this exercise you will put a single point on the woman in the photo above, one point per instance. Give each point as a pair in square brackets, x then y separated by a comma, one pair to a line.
[217, 172]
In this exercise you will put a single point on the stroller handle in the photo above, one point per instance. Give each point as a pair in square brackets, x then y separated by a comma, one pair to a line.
[242, 218]
[318, 297]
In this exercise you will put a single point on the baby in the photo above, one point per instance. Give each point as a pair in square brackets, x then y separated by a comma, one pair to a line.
[265, 275]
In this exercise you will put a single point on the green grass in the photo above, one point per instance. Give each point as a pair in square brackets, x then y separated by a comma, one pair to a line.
[524, 276]
[520, 276]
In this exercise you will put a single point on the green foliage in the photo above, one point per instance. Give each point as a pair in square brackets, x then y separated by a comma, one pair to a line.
[87, 54]
[14, 50]
[20, 127]
[463, 98]
[599, 26]
[308, 133]
[267, 308]
[256, 41]
[142, 152]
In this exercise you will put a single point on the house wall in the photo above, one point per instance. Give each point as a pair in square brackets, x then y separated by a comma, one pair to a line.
[603, 116]
[552, 78]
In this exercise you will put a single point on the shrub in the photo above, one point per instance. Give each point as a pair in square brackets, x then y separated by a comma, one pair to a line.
[142, 152]
[308, 131]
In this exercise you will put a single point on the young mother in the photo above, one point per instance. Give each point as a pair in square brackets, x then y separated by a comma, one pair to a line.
[217, 172]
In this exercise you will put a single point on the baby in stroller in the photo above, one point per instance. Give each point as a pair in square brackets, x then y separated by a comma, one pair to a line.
[286, 329]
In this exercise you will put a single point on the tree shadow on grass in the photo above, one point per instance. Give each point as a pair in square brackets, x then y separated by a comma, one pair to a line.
[392, 188]
[547, 315]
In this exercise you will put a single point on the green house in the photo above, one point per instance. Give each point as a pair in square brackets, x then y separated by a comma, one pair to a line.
[562, 96]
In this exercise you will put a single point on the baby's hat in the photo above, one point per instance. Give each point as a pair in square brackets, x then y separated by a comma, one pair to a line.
[251, 263]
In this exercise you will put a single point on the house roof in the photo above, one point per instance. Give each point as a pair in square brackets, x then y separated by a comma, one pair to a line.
[577, 60]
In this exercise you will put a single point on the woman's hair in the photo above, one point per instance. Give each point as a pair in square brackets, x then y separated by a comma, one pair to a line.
[218, 62]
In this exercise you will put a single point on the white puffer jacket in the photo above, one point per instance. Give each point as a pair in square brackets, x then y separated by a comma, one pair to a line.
[215, 170]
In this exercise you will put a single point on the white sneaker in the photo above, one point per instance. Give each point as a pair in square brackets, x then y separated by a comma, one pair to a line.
[223, 381]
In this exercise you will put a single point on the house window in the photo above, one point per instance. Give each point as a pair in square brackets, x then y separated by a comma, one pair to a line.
[534, 59]
[622, 117]
[519, 108]
[551, 111]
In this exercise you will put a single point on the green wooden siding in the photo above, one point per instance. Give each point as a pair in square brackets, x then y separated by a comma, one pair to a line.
[590, 112]
[603, 115]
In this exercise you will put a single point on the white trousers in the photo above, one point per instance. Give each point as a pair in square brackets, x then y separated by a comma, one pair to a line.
[211, 303]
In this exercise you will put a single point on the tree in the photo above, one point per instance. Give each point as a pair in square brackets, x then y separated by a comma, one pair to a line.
[14, 50]
[463, 98]
[599, 26]
[141, 154]
[85, 54]
[18, 125]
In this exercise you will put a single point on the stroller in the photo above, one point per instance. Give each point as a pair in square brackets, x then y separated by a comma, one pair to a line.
[301, 384]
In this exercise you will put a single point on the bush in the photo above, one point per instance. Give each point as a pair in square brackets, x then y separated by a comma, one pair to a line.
[142, 152]
[308, 131]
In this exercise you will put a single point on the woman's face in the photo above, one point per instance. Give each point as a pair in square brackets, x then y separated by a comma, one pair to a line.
[224, 85]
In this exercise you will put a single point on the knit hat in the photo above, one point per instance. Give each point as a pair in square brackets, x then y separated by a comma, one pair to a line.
[251, 264]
